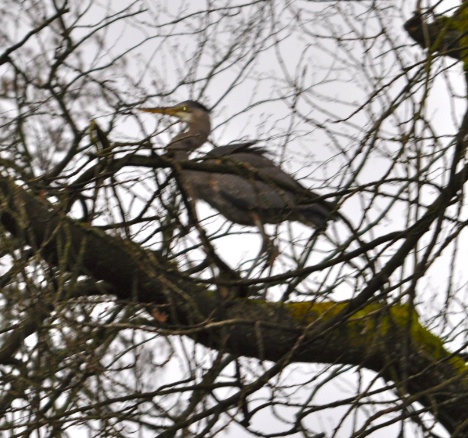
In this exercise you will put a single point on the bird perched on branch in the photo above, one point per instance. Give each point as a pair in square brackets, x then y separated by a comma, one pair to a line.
[255, 191]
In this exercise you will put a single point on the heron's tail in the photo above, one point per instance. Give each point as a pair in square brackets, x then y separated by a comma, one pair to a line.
[318, 214]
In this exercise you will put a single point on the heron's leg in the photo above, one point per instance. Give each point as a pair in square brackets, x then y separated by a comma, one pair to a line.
[268, 247]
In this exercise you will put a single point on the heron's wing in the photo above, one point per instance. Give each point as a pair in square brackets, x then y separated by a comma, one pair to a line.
[230, 149]
[254, 159]
[237, 198]
[248, 195]
[267, 171]
[260, 169]
[271, 204]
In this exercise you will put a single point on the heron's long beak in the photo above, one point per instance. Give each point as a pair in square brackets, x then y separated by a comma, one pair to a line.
[172, 111]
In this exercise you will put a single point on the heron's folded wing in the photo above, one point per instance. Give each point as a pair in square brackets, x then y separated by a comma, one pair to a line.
[253, 194]
[223, 151]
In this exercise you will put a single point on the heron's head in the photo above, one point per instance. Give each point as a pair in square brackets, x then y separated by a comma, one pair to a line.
[197, 117]
[189, 111]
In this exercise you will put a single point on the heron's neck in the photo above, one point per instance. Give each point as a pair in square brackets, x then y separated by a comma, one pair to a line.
[187, 141]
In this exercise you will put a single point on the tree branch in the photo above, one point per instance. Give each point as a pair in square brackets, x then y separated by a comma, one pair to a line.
[375, 337]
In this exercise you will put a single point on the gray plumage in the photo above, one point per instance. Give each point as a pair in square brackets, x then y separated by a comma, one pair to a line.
[258, 192]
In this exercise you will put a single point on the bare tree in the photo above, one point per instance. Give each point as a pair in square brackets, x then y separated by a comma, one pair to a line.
[127, 310]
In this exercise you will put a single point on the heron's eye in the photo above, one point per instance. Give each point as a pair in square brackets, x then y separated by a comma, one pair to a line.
[184, 108]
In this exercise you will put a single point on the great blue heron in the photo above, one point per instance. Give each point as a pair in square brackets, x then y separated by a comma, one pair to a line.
[260, 193]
